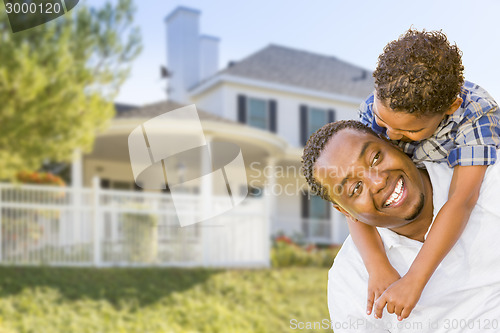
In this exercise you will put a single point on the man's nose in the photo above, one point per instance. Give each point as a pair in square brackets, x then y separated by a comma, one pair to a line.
[376, 180]
[394, 135]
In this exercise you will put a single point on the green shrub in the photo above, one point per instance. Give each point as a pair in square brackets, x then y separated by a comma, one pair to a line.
[140, 235]
[286, 253]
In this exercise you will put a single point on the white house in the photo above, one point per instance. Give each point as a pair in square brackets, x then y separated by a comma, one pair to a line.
[280, 94]
[268, 104]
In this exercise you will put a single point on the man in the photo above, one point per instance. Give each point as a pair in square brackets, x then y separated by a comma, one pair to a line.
[360, 173]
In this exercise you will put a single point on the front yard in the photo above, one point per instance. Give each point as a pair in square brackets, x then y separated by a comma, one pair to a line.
[161, 300]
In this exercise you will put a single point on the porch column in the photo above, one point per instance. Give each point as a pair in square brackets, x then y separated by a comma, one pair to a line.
[205, 196]
[270, 202]
[206, 185]
[76, 169]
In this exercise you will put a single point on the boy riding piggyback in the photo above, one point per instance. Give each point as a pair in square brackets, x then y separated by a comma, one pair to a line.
[422, 103]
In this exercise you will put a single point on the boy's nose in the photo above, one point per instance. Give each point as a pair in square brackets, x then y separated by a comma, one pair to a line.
[394, 135]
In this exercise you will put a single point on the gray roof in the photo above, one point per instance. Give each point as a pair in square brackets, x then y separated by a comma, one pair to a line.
[152, 110]
[279, 64]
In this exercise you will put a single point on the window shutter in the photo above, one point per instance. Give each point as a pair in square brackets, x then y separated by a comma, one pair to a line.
[331, 116]
[305, 213]
[272, 116]
[305, 205]
[242, 109]
[303, 124]
[105, 183]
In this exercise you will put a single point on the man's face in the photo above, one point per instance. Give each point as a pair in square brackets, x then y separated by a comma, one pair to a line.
[370, 179]
[405, 126]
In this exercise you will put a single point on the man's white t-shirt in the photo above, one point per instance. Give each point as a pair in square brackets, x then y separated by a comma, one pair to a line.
[463, 295]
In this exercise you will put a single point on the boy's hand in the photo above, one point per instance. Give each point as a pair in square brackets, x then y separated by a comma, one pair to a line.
[400, 298]
[378, 282]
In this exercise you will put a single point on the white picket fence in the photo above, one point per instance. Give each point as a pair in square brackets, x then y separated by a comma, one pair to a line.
[62, 226]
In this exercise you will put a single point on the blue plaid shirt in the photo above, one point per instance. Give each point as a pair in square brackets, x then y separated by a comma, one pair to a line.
[470, 136]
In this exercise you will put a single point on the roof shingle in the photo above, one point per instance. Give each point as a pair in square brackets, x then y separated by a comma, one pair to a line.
[279, 64]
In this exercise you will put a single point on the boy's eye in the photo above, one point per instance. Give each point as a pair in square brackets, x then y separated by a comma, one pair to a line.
[375, 159]
[356, 189]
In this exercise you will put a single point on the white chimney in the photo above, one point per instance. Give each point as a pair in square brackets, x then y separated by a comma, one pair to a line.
[183, 52]
[209, 56]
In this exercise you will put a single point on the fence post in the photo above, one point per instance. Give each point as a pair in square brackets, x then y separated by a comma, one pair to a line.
[76, 186]
[1, 235]
[96, 221]
[270, 207]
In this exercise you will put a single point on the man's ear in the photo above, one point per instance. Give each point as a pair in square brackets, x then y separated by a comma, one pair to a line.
[454, 107]
[345, 213]
[342, 210]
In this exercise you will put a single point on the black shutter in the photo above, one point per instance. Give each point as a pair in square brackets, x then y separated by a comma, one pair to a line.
[272, 116]
[331, 116]
[305, 205]
[305, 213]
[303, 124]
[105, 183]
[242, 109]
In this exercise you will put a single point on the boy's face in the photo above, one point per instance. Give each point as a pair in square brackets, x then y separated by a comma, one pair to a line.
[406, 126]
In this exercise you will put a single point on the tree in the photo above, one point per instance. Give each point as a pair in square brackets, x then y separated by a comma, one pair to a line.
[58, 82]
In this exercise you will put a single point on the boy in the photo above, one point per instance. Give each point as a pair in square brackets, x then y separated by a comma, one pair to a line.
[422, 103]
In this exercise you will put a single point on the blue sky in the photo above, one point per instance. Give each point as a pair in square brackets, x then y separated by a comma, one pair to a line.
[355, 31]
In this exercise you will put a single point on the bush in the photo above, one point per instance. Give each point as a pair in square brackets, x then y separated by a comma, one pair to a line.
[140, 237]
[286, 253]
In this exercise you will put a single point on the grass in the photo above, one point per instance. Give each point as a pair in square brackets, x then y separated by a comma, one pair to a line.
[66, 300]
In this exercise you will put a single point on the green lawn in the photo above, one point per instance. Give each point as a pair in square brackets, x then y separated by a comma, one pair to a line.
[118, 300]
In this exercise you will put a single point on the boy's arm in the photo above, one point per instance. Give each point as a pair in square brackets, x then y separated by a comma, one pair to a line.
[403, 295]
[370, 246]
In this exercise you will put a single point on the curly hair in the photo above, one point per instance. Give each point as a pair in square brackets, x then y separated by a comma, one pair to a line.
[420, 73]
[315, 146]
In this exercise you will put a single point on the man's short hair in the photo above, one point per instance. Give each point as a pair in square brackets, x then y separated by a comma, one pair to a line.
[419, 73]
[315, 146]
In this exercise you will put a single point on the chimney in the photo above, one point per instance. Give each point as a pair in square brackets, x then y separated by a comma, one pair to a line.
[209, 56]
[191, 57]
[183, 52]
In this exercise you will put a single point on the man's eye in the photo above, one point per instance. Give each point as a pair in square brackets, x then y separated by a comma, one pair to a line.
[375, 159]
[356, 189]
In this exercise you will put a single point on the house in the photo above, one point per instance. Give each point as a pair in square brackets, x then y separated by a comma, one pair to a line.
[268, 103]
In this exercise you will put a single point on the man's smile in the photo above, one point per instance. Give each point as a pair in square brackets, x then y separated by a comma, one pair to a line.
[397, 195]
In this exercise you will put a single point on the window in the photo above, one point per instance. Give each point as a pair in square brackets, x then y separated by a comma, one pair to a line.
[257, 113]
[316, 224]
[316, 118]
[312, 119]
[318, 208]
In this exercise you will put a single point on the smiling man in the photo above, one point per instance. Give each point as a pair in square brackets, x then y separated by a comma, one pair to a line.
[370, 180]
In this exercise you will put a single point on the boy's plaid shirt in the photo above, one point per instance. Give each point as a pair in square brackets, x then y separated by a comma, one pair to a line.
[470, 136]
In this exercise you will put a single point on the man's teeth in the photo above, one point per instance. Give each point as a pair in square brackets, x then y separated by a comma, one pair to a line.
[396, 195]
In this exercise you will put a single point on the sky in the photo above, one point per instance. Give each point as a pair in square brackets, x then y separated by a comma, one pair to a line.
[354, 31]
